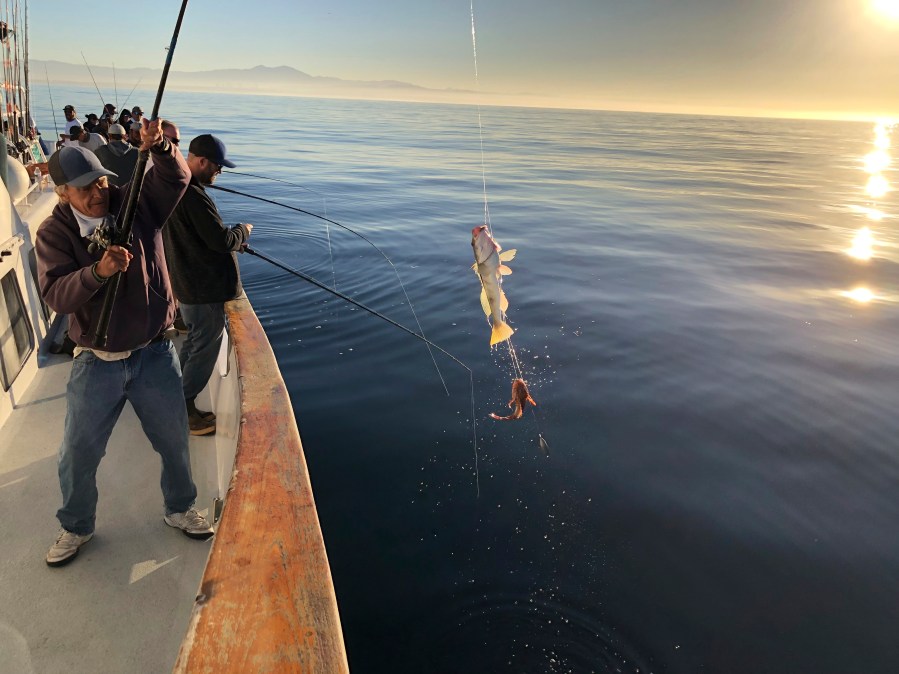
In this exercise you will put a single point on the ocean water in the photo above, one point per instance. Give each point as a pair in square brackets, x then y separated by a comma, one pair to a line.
[706, 314]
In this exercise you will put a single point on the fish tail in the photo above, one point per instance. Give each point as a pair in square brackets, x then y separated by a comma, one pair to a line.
[501, 332]
[515, 415]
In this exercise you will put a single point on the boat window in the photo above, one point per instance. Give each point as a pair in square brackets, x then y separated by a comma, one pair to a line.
[16, 335]
[32, 264]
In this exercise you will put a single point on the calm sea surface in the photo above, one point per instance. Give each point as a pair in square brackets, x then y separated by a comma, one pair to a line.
[716, 378]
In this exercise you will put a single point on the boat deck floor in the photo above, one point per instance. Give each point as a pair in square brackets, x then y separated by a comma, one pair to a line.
[123, 605]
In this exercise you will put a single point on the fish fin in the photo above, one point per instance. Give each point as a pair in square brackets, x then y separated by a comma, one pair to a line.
[503, 302]
[501, 332]
[504, 270]
[474, 268]
[508, 255]
[532, 401]
[485, 305]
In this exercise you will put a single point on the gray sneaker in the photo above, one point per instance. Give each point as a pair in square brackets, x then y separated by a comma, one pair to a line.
[192, 523]
[65, 549]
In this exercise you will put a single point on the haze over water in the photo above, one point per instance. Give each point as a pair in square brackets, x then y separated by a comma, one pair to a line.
[706, 310]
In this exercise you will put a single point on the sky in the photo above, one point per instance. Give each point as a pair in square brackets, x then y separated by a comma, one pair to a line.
[814, 58]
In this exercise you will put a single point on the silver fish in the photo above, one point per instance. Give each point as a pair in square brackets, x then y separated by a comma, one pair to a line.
[489, 268]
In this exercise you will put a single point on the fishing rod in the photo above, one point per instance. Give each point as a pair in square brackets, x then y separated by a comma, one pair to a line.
[361, 236]
[124, 234]
[102, 102]
[115, 86]
[277, 180]
[347, 298]
[324, 206]
[53, 107]
[128, 98]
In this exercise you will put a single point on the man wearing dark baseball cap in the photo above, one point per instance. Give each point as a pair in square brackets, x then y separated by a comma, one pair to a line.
[212, 149]
[138, 363]
[201, 255]
[77, 167]
[71, 119]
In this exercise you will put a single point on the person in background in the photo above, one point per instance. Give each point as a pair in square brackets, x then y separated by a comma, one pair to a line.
[91, 122]
[118, 156]
[134, 135]
[71, 119]
[202, 257]
[90, 141]
[136, 114]
[170, 130]
[138, 362]
[125, 119]
[107, 118]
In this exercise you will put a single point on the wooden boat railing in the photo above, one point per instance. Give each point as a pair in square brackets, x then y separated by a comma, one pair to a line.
[266, 601]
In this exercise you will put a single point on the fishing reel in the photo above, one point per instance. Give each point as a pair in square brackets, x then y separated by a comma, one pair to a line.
[105, 235]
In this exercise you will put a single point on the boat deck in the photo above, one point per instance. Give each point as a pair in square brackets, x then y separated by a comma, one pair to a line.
[124, 604]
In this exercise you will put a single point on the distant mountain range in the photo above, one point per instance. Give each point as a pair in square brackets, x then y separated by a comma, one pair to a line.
[281, 80]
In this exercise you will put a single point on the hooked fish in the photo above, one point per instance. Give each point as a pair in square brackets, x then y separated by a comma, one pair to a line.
[490, 269]
[520, 397]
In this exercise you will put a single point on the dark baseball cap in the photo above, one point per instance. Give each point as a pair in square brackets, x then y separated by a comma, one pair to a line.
[91, 116]
[76, 166]
[136, 109]
[69, 107]
[211, 148]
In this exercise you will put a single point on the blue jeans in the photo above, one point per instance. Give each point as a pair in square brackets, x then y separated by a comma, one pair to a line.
[205, 327]
[151, 380]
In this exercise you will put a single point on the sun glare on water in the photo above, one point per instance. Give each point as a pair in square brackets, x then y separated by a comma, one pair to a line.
[862, 295]
[862, 245]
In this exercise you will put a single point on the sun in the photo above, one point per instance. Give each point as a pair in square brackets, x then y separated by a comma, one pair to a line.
[888, 8]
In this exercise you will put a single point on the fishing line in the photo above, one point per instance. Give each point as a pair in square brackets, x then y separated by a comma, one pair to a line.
[53, 107]
[474, 46]
[324, 207]
[131, 92]
[516, 364]
[115, 85]
[102, 102]
[347, 298]
[361, 236]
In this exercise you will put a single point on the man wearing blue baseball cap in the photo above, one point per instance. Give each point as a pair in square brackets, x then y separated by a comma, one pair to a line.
[138, 363]
[202, 257]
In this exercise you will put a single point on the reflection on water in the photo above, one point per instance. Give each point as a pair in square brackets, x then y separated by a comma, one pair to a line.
[877, 186]
[875, 163]
[862, 245]
[863, 295]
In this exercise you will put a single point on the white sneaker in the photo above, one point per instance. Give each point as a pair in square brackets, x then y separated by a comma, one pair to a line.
[65, 549]
[192, 523]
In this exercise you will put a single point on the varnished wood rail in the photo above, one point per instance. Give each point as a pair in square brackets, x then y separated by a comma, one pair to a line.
[266, 602]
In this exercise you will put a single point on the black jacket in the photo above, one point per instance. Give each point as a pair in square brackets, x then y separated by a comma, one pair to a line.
[201, 251]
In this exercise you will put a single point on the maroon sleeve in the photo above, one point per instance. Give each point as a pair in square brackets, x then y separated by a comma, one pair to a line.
[65, 283]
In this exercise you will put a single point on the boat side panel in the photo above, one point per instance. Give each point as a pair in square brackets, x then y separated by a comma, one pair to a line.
[266, 602]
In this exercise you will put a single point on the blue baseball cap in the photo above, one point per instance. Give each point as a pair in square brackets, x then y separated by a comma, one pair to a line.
[211, 148]
[76, 166]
